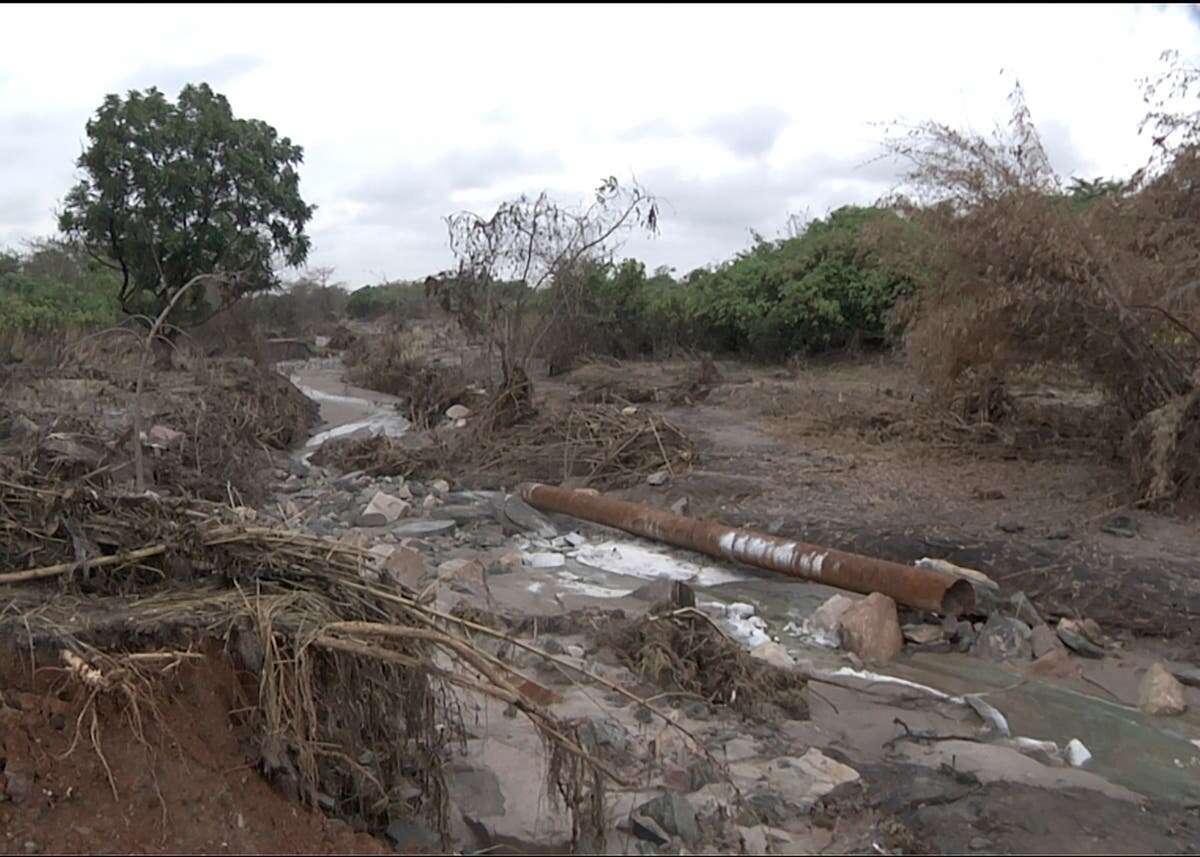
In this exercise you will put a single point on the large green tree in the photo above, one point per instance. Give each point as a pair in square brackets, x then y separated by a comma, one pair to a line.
[173, 191]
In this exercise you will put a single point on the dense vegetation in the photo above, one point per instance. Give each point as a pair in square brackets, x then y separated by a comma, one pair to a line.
[51, 286]
[172, 191]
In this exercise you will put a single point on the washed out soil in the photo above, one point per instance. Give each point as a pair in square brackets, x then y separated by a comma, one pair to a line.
[68, 785]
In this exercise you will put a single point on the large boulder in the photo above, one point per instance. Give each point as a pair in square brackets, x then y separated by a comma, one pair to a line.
[871, 629]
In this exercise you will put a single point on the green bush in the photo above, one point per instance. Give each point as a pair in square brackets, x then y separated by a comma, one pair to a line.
[400, 299]
[52, 287]
[823, 289]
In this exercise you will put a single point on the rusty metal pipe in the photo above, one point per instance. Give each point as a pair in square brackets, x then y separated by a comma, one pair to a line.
[921, 588]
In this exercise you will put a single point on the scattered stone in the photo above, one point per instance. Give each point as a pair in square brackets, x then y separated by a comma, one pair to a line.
[518, 514]
[739, 610]
[870, 628]
[680, 506]
[662, 591]
[1044, 640]
[574, 650]
[774, 654]
[1070, 633]
[696, 709]
[648, 829]
[1120, 525]
[439, 486]
[990, 714]
[430, 502]
[464, 514]
[674, 815]
[458, 412]
[629, 410]
[1004, 638]
[1187, 674]
[1058, 535]
[1010, 527]
[1090, 628]
[421, 527]
[658, 477]
[574, 539]
[460, 423]
[922, 634]
[385, 505]
[465, 570]
[369, 519]
[979, 843]
[1056, 663]
[1160, 692]
[1077, 754]
[505, 563]
[543, 560]
[1024, 610]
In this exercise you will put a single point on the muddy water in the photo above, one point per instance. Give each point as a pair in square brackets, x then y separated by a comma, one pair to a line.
[345, 409]
[1154, 757]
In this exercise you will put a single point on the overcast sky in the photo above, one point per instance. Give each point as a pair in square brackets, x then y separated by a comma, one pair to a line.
[735, 115]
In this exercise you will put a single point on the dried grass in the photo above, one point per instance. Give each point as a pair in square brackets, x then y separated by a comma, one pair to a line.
[596, 445]
[683, 651]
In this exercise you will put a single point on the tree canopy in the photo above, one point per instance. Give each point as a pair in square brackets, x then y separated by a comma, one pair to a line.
[172, 191]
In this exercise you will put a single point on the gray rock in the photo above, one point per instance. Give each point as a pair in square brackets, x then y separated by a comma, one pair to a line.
[1186, 674]
[370, 519]
[1004, 638]
[463, 513]
[1024, 610]
[518, 514]
[296, 467]
[1058, 535]
[701, 772]
[680, 506]
[406, 834]
[648, 829]
[22, 426]
[674, 592]
[603, 732]
[674, 814]
[1010, 527]
[658, 477]
[1120, 525]
[696, 709]
[421, 527]
[1069, 632]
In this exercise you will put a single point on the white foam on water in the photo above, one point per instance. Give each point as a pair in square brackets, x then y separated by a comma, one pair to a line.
[638, 561]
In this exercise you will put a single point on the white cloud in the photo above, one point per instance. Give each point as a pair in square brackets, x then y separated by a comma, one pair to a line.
[737, 115]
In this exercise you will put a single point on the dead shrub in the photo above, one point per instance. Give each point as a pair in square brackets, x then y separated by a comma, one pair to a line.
[684, 652]
[1018, 271]
[398, 364]
[595, 445]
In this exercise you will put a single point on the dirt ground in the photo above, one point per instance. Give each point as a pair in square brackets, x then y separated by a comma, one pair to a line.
[841, 453]
[74, 785]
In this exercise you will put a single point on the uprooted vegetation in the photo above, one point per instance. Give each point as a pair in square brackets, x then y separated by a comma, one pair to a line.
[353, 697]
[682, 651]
[398, 363]
[219, 415]
[599, 446]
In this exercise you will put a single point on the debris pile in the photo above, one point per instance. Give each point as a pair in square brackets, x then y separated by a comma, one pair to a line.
[597, 445]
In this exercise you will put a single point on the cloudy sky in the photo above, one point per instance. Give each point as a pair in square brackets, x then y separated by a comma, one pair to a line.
[737, 116]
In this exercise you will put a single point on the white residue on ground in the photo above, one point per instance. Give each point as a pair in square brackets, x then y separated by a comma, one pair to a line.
[575, 583]
[638, 561]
